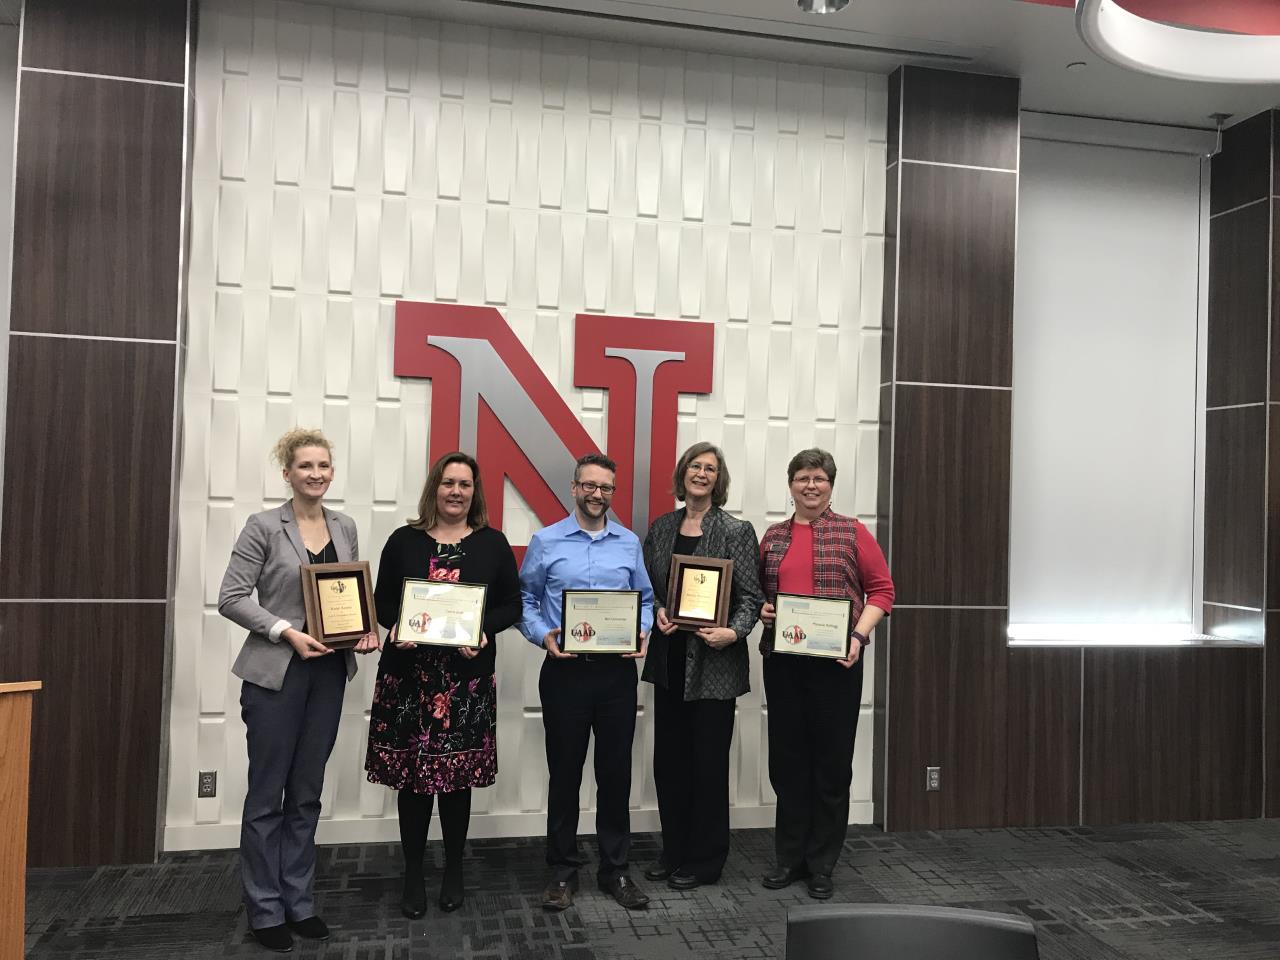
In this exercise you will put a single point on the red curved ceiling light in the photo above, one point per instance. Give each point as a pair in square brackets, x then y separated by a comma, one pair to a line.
[1226, 41]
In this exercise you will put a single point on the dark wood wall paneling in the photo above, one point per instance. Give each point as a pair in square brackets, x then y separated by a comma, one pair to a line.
[1273, 439]
[889, 310]
[947, 693]
[1271, 702]
[142, 39]
[955, 294]
[1173, 734]
[951, 496]
[95, 731]
[90, 416]
[1271, 717]
[1045, 736]
[1234, 485]
[1239, 244]
[1211, 742]
[86, 505]
[960, 118]
[943, 692]
[119, 145]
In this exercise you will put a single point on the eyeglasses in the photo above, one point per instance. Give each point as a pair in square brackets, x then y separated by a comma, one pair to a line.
[707, 468]
[604, 488]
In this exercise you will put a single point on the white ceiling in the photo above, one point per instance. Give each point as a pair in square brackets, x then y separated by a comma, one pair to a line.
[1032, 41]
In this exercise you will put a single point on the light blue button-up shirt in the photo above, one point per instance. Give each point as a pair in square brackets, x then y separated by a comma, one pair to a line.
[564, 557]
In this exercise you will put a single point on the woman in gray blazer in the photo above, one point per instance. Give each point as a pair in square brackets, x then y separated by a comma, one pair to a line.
[698, 675]
[291, 698]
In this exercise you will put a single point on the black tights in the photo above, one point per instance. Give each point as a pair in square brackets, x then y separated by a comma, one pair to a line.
[415, 818]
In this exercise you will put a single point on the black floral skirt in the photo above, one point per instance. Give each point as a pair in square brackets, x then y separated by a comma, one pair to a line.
[431, 731]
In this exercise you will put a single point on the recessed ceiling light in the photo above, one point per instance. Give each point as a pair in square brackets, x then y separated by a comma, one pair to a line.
[822, 6]
[1076, 65]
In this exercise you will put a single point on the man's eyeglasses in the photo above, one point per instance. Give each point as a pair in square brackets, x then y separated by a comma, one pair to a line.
[605, 488]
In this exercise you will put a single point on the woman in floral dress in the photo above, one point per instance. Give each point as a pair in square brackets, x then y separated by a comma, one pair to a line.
[433, 724]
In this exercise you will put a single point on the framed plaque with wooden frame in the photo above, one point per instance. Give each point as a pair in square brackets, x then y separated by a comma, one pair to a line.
[698, 591]
[338, 598]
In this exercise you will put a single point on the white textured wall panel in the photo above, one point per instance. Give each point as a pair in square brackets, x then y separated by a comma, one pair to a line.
[345, 160]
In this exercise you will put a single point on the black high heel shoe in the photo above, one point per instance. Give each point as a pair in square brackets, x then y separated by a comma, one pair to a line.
[452, 891]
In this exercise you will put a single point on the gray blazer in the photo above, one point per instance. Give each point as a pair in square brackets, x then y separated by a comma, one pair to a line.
[266, 558]
[708, 674]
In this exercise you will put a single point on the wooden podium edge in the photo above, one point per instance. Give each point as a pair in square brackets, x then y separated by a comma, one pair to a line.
[15, 767]
[22, 686]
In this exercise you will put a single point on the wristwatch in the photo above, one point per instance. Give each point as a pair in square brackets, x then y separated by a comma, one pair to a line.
[861, 638]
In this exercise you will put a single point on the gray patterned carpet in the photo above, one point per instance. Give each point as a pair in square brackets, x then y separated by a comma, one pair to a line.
[1207, 891]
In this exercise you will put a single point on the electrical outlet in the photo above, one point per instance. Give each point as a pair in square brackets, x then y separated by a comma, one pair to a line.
[933, 778]
[207, 784]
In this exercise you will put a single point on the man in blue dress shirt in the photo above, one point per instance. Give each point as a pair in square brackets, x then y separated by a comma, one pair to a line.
[586, 693]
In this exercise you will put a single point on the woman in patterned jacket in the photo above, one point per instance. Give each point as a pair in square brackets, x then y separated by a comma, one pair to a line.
[697, 675]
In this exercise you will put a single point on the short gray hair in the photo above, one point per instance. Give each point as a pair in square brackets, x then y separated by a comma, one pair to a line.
[812, 459]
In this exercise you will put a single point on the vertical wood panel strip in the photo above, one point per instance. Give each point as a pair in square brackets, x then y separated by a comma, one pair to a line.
[98, 240]
[944, 698]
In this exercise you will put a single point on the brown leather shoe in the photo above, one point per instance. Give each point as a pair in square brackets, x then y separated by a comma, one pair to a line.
[622, 889]
[558, 894]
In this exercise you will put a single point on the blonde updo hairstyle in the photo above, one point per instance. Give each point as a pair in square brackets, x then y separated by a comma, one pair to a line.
[288, 446]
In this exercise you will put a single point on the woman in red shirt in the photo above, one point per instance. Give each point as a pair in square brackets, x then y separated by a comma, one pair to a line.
[814, 701]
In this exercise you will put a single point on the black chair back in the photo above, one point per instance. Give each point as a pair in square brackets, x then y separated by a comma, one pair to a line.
[873, 931]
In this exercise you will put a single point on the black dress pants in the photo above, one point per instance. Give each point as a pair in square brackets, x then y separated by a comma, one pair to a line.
[691, 740]
[589, 695]
[813, 716]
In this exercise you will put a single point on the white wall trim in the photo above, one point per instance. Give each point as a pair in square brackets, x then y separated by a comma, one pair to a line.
[212, 836]
[1067, 128]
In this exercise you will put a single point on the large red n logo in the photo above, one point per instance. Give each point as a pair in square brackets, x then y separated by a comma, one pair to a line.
[489, 397]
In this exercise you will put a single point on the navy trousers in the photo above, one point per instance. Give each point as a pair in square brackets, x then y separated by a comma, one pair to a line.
[290, 733]
[595, 695]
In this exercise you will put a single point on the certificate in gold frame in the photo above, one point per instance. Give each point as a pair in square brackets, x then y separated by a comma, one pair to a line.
[441, 613]
[338, 599]
[698, 591]
[812, 626]
[600, 621]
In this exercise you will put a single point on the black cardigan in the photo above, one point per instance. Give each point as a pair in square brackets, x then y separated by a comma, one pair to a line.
[487, 559]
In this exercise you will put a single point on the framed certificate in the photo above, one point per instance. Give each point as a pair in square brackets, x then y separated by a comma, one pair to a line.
[698, 591]
[338, 599]
[600, 621]
[812, 626]
[441, 613]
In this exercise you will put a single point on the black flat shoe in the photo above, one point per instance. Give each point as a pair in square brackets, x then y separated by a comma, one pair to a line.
[781, 877]
[312, 928]
[451, 890]
[274, 938]
[683, 881]
[413, 902]
[657, 871]
[821, 887]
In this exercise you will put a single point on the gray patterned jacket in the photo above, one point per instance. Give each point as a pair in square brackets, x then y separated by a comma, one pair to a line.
[708, 674]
